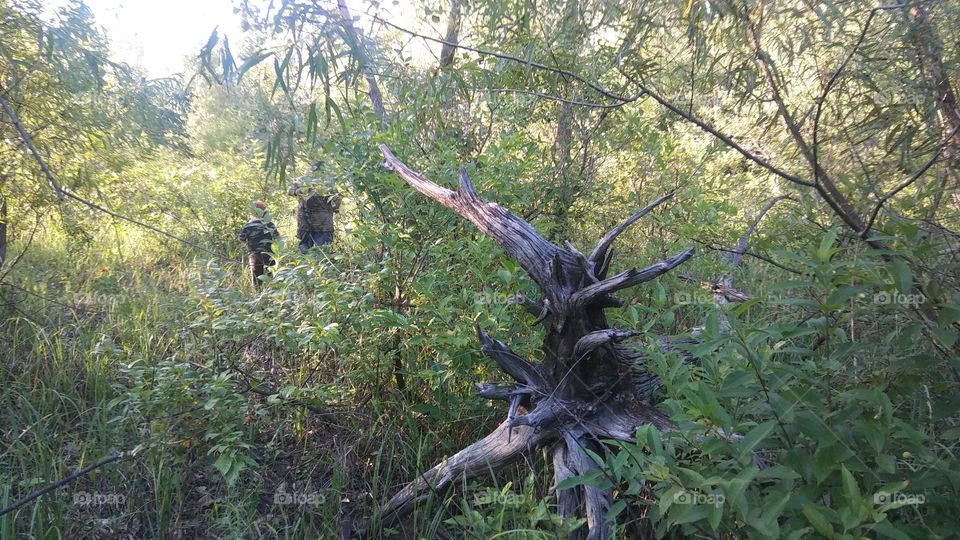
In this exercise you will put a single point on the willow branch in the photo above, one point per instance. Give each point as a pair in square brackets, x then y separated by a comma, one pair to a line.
[596, 87]
[906, 183]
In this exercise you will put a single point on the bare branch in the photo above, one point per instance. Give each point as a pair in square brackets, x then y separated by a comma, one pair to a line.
[599, 253]
[490, 453]
[532, 306]
[64, 481]
[522, 371]
[713, 247]
[515, 235]
[629, 278]
[599, 338]
[27, 140]
[600, 270]
[733, 258]
[500, 392]
[590, 104]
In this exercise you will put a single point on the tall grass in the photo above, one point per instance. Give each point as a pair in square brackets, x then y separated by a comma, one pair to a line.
[75, 328]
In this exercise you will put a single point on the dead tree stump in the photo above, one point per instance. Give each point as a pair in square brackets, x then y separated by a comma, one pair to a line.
[581, 392]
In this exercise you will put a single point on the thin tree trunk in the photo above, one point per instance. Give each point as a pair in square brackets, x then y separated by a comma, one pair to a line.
[3, 230]
[452, 38]
[567, 180]
[354, 38]
[930, 50]
[930, 59]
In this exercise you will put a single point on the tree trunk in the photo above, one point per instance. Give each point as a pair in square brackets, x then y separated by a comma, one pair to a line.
[452, 37]
[567, 181]
[929, 48]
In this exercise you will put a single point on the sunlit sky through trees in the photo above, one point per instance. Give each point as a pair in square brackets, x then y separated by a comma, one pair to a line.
[160, 36]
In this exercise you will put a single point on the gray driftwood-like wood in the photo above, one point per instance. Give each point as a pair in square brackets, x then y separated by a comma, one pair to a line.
[581, 392]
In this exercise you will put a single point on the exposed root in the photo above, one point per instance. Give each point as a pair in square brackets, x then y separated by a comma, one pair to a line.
[488, 454]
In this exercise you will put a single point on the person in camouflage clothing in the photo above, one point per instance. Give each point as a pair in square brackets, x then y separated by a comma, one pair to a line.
[318, 201]
[259, 234]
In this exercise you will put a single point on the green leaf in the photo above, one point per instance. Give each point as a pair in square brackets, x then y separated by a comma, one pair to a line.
[755, 436]
[840, 295]
[818, 520]
[223, 464]
[850, 487]
[902, 275]
[252, 61]
[946, 336]
[887, 529]
[826, 250]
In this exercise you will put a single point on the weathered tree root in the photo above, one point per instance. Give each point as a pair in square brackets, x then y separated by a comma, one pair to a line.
[581, 393]
[615, 420]
[490, 453]
[588, 388]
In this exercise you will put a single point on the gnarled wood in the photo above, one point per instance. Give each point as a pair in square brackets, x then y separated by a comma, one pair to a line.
[532, 306]
[597, 501]
[582, 388]
[599, 338]
[629, 278]
[568, 500]
[496, 391]
[577, 390]
[522, 371]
